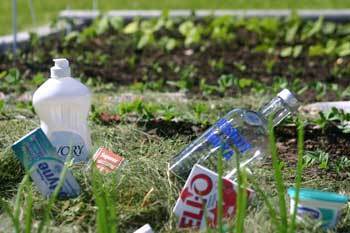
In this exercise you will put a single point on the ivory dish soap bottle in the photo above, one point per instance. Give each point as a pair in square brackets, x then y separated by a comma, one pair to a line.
[63, 105]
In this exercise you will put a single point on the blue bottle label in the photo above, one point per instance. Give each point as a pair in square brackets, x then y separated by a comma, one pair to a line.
[233, 137]
[68, 143]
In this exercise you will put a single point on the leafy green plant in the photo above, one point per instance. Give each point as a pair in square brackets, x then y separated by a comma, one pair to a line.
[168, 112]
[226, 81]
[291, 33]
[320, 88]
[132, 27]
[279, 83]
[199, 110]
[335, 116]
[138, 106]
[240, 66]
[221, 29]
[344, 49]
[217, 64]
[147, 34]
[342, 164]
[269, 65]
[312, 29]
[102, 25]
[38, 79]
[293, 51]
[207, 89]
[12, 77]
[191, 32]
[187, 77]
[316, 157]
[245, 82]
[168, 43]
[117, 23]
[145, 30]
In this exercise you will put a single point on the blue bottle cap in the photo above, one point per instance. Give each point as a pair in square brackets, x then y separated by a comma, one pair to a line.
[312, 195]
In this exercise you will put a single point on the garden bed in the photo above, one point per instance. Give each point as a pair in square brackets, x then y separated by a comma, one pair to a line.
[215, 64]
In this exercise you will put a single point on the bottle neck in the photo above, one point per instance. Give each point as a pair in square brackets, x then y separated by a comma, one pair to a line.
[277, 109]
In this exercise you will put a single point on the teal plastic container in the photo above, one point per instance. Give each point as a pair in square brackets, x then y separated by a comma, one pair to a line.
[318, 205]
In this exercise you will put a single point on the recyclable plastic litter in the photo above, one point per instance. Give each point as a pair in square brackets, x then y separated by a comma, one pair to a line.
[318, 205]
[63, 105]
[242, 129]
[38, 156]
[144, 229]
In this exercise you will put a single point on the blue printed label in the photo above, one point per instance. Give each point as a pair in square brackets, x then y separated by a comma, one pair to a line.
[310, 212]
[46, 175]
[38, 155]
[233, 137]
[68, 143]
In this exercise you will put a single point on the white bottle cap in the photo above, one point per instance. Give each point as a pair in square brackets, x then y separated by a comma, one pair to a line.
[289, 98]
[61, 68]
[145, 229]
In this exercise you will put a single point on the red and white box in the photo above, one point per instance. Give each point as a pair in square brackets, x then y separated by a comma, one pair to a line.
[107, 161]
[196, 206]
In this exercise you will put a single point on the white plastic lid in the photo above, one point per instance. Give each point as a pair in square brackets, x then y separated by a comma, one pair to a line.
[61, 68]
[289, 98]
[145, 229]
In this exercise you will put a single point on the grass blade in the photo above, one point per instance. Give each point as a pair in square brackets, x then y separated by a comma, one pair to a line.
[300, 128]
[278, 177]
[5, 206]
[111, 208]
[242, 194]
[17, 206]
[28, 213]
[220, 190]
[100, 201]
[266, 199]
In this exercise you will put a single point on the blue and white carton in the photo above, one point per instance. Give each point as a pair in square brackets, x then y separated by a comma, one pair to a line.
[318, 205]
[38, 156]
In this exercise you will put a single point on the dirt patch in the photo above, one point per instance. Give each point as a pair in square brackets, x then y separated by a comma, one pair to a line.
[330, 140]
[113, 57]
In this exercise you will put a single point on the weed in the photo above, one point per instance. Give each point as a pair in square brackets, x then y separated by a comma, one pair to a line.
[316, 157]
[335, 116]
[283, 225]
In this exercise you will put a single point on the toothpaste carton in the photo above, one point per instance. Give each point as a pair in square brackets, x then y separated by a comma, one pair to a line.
[197, 207]
[318, 205]
[38, 156]
[106, 161]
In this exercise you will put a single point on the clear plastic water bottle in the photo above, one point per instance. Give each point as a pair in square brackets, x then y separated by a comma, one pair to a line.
[242, 129]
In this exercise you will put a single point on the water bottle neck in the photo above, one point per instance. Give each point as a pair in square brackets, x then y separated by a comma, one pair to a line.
[277, 109]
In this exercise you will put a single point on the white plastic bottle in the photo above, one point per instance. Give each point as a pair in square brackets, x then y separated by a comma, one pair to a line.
[63, 105]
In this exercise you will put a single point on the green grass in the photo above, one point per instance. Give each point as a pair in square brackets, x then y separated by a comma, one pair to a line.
[47, 10]
[142, 192]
